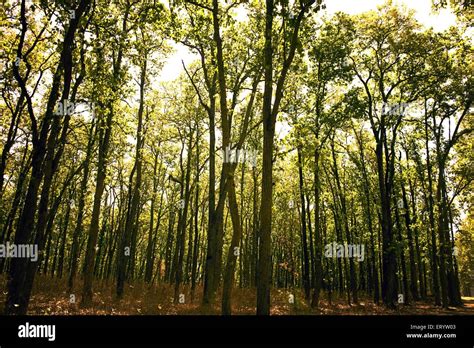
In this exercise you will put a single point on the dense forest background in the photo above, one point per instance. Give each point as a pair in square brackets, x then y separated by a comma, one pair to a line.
[301, 162]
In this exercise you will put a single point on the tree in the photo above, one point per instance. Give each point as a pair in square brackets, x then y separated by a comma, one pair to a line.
[269, 113]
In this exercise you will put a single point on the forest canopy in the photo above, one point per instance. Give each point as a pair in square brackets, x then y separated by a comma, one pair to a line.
[299, 157]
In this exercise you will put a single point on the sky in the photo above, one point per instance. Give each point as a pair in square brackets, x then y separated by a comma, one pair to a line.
[439, 21]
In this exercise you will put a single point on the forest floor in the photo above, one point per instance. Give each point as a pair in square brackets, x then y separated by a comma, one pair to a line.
[50, 298]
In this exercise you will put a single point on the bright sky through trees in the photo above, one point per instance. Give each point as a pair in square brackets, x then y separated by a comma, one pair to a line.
[423, 13]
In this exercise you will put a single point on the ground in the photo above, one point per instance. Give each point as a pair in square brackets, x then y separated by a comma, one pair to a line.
[50, 297]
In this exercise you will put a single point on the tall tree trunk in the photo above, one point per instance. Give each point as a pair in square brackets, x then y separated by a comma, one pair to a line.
[434, 252]
[317, 232]
[210, 264]
[62, 249]
[304, 240]
[182, 221]
[151, 244]
[104, 142]
[269, 114]
[126, 264]
[78, 230]
[264, 256]
[389, 260]
[196, 218]
[375, 272]
[411, 249]
[22, 271]
[406, 299]
[343, 204]
[234, 251]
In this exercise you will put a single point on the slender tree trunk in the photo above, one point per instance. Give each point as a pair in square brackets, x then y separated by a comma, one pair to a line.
[196, 220]
[434, 255]
[411, 249]
[182, 223]
[304, 240]
[389, 281]
[22, 272]
[234, 251]
[78, 230]
[406, 299]
[318, 277]
[104, 142]
[126, 264]
[151, 244]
